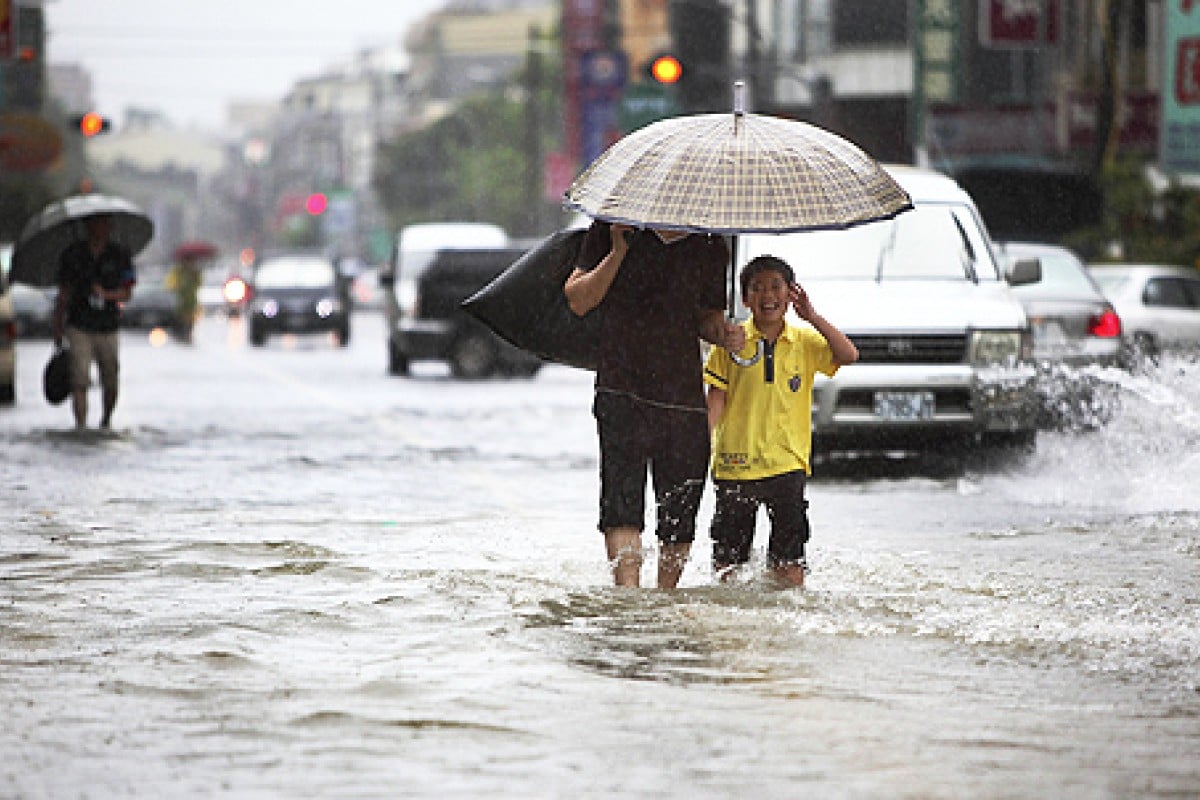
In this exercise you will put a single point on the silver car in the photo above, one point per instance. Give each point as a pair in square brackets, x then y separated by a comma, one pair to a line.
[1071, 319]
[944, 347]
[1075, 328]
[1159, 305]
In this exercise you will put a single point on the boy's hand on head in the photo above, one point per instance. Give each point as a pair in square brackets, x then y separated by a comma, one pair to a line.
[801, 303]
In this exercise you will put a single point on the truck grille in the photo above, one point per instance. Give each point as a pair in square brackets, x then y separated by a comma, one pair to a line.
[911, 349]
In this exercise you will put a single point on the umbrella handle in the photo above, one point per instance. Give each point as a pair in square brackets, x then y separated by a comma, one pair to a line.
[752, 360]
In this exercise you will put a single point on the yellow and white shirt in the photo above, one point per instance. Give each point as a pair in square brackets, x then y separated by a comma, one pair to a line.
[766, 427]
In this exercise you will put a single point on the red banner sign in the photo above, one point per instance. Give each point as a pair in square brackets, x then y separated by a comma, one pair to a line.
[1018, 23]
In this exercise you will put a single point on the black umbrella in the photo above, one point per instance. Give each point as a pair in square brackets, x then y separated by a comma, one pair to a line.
[46, 235]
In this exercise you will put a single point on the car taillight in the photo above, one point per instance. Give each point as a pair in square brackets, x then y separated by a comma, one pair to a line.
[1106, 325]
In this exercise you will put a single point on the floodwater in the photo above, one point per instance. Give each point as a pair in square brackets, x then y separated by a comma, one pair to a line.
[288, 575]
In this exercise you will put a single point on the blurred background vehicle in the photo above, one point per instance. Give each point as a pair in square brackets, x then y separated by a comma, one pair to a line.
[33, 310]
[236, 294]
[1074, 327]
[8, 332]
[944, 347]
[152, 304]
[1159, 306]
[298, 293]
[211, 294]
[1071, 319]
[434, 267]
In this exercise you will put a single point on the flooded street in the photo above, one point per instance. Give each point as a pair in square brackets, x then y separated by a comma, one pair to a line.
[289, 575]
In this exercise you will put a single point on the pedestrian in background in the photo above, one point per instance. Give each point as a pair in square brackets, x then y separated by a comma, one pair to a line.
[95, 275]
[184, 280]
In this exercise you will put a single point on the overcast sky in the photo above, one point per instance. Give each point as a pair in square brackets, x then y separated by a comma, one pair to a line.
[189, 58]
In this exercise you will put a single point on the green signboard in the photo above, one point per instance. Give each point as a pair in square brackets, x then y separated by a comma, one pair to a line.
[643, 103]
[936, 58]
[1179, 148]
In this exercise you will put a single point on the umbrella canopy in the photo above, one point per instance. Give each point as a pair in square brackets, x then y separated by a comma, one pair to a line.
[46, 235]
[195, 251]
[736, 173]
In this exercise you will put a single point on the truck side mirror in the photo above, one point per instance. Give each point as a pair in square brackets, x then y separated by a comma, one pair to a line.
[1025, 271]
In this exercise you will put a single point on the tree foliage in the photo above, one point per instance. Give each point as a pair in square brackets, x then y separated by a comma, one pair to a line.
[1140, 222]
[471, 164]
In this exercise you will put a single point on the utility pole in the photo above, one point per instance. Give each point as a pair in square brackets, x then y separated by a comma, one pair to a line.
[534, 204]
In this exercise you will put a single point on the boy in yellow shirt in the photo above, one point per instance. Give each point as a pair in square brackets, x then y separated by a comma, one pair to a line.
[761, 418]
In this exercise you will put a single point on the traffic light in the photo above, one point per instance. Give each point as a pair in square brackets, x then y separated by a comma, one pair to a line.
[316, 203]
[654, 95]
[91, 124]
[665, 69]
[701, 36]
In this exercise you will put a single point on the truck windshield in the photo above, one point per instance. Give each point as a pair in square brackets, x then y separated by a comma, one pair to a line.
[933, 241]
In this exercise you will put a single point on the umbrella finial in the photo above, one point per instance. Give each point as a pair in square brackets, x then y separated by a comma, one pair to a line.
[739, 98]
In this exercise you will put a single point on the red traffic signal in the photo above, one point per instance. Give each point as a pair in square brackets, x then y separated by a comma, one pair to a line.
[316, 203]
[666, 69]
[91, 124]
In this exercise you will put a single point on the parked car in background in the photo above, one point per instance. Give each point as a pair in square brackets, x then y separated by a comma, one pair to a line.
[8, 333]
[1074, 327]
[434, 267]
[297, 293]
[1071, 319]
[152, 304]
[944, 346]
[33, 310]
[1159, 306]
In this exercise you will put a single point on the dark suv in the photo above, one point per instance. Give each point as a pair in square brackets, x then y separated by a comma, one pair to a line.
[298, 293]
[436, 328]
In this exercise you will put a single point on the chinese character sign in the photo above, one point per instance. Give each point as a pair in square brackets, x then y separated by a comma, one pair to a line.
[936, 61]
[1179, 148]
[1018, 23]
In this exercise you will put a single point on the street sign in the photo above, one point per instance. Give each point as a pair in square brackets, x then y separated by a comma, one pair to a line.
[603, 71]
[1179, 150]
[1013, 24]
[644, 103]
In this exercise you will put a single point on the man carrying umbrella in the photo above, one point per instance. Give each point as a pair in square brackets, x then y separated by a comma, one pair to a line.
[95, 274]
[685, 182]
[661, 289]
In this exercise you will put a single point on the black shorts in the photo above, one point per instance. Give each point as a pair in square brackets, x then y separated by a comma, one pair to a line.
[737, 511]
[673, 443]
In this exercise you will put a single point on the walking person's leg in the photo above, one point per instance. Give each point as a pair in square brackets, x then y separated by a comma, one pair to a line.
[107, 360]
[787, 508]
[679, 466]
[82, 354]
[622, 485]
[732, 529]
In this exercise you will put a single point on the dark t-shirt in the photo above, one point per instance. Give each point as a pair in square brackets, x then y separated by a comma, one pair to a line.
[649, 337]
[78, 270]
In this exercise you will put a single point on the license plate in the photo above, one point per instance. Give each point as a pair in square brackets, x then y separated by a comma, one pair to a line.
[900, 406]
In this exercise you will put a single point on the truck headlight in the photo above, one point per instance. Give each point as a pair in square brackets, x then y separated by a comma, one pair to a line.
[995, 348]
